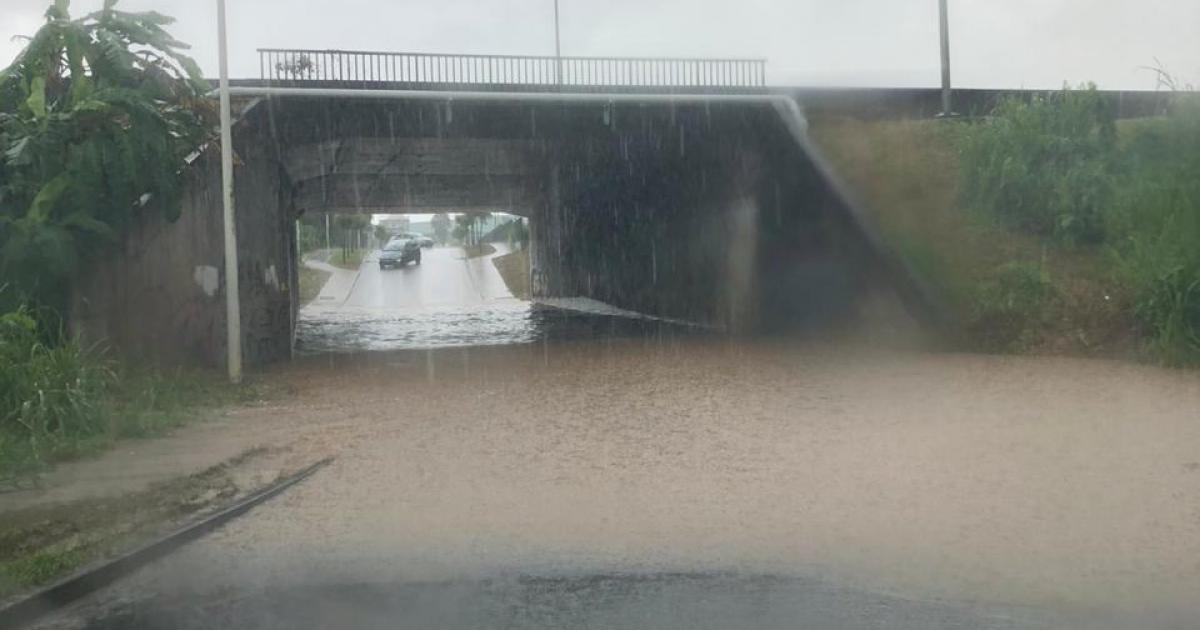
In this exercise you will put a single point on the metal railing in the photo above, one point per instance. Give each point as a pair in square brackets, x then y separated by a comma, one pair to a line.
[418, 69]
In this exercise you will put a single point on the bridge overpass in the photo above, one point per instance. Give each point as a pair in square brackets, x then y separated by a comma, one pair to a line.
[676, 187]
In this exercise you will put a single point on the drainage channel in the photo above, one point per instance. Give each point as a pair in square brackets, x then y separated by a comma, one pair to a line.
[94, 578]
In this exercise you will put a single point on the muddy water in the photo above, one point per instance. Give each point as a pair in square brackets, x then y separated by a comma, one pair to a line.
[991, 485]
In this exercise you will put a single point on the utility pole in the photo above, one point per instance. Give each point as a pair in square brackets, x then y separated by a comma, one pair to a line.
[557, 46]
[944, 19]
[233, 307]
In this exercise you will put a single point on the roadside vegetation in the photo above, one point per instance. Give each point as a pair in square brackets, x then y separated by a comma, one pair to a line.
[1048, 226]
[60, 400]
[42, 543]
[98, 115]
[479, 250]
[348, 258]
[311, 283]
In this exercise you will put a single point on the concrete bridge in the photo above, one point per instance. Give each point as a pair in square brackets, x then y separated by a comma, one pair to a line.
[674, 187]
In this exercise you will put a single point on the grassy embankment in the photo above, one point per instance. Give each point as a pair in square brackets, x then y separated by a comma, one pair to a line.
[478, 250]
[514, 268]
[311, 283]
[348, 258]
[1047, 227]
[60, 400]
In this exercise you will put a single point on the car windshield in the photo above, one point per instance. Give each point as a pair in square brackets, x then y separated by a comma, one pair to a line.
[601, 314]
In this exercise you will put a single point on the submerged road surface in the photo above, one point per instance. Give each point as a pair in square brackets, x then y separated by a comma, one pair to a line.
[659, 481]
[449, 300]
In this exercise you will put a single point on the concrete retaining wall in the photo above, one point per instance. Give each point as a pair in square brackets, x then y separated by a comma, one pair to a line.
[159, 296]
[707, 213]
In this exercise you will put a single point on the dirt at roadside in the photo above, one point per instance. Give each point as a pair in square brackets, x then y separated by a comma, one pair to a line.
[42, 543]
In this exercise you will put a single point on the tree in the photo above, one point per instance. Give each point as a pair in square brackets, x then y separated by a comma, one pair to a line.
[349, 225]
[98, 116]
[441, 227]
[477, 221]
[382, 234]
[471, 223]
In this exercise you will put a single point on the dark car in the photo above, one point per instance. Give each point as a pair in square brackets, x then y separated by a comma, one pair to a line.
[398, 253]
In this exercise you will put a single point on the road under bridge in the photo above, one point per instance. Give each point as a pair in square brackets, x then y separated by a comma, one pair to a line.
[710, 207]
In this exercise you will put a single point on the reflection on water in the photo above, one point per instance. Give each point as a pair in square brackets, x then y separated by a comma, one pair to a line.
[349, 329]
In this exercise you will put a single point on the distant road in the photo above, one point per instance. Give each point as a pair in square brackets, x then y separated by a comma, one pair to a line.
[444, 278]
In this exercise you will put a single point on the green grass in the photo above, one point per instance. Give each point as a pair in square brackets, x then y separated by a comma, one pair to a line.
[514, 269]
[41, 567]
[348, 259]
[41, 543]
[1045, 228]
[311, 283]
[60, 400]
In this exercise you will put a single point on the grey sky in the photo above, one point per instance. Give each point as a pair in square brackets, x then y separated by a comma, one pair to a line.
[997, 43]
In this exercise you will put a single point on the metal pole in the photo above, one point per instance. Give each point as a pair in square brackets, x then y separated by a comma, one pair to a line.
[233, 309]
[327, 245]
[947, 105]
[557, 47]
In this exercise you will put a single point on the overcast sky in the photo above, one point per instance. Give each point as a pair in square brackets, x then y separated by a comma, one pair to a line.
[996, 43]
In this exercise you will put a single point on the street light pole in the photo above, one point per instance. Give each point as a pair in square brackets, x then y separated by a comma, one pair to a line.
[557, 46]
[944, 19]
[233, 308]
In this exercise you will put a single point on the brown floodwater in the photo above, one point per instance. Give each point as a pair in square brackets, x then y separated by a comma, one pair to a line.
[1068, 487]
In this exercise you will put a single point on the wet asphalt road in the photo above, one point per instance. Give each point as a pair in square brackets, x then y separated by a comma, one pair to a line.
[445, 278]
[659, 481]
[666, 602]
[450, 301]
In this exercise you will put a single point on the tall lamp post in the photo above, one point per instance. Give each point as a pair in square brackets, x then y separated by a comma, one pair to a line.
[557, 47]
[944, 20]
[233, 309]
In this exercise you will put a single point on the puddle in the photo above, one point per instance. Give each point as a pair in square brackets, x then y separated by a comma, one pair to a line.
[324, 329]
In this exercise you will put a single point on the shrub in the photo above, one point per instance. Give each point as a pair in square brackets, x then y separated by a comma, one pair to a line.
[1158, 214]
[1044, 166]
[51, 392]
[1170, 311]
[1007, 309]
[97, 117]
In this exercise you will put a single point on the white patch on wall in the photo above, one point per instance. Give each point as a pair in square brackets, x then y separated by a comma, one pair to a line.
[270, 278]
[208, 278]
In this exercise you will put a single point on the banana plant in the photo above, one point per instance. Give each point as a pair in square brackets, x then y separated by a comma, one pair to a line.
[98, 116]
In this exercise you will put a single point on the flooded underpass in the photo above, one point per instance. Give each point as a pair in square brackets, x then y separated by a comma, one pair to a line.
[504, 323]
[453, 301]
[504, 464]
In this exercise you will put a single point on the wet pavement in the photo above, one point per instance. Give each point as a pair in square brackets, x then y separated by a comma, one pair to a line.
[452, 301]
[668, 602]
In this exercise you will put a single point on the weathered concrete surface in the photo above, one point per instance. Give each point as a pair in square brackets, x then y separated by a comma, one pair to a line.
[160, 295]
[707, 212]
[353, 173]
[713, 213]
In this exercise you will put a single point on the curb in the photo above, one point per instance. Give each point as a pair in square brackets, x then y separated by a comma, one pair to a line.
[90, 580]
